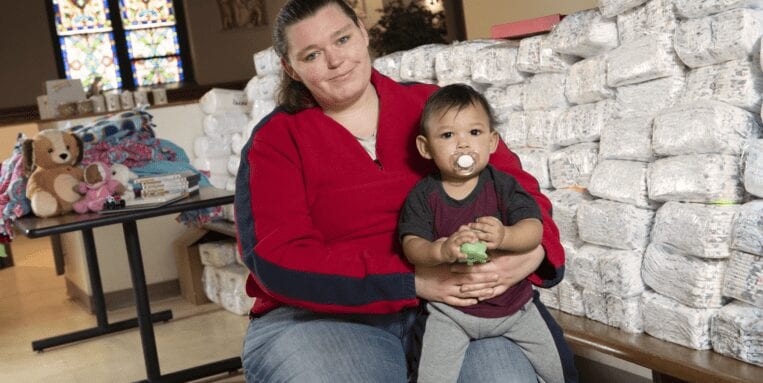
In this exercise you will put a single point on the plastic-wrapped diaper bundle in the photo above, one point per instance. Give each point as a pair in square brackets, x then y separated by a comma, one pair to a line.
[549, 297]
[620, 272]
[700, 8]
[539, 126]
[621, 181]
[211, 147]
[535, 55]
[260, 109]
[737, 331]
[744, 278]
[237, 142]
[748, 228]
[653, 17]
[218, 253]
[595, 304]
[583, 268]
[225, 286]
[417, 64]
[513, 134]
[703, 127]
[644, 59]
[217, 167]
[693, 281]
[535, 162]
[233, 163]
[625, 313]
[262, 87]
[571, 298]
[627, 139]
[218, 101]
[587, 81]
[495, 65]
[389, 65]
[584, 34]
[648, 98]
[572, 166]
[707, 178]
[267, 62]
[700, 230]
[669, 320]
[611, 8]
[504, 100]
[225, 116]
[583, 123]
[454, 63]
[224, 124]
[614, 224]
[230, 185]
[229, 214]
[753, 169]
[737, 82]
[545, 91]
[714, 39]
[566, 203]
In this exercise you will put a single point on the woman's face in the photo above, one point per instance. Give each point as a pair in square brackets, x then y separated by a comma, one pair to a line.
[329, 54]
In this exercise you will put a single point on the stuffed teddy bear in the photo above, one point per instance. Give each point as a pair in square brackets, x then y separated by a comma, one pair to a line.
[97, 187]
[50, 160]
[123, 174]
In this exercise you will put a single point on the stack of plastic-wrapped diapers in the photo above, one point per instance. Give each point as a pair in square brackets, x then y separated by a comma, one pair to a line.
[230, 116]
[641, 120]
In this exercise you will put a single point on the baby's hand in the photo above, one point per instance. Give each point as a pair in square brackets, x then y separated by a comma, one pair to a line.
[489, 230]
[450, 250]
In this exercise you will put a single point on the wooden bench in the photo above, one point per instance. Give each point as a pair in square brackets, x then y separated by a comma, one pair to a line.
[669, 362]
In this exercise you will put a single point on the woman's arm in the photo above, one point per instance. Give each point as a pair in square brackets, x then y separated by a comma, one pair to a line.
[551, 270]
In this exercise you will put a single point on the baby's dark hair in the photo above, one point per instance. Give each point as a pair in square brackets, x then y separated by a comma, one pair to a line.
[458, 96]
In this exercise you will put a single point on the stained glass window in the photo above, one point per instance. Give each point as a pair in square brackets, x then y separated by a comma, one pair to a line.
[142, 13]
[81, 16]
[89, 48]
[145, 43]
[160, 70]
[86, 38]
[89, 55]
[152, 42]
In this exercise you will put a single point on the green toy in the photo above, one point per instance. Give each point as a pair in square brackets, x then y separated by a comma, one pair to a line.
[475, 252]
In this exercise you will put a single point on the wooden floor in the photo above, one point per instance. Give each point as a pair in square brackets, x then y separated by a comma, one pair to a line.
[34, 305]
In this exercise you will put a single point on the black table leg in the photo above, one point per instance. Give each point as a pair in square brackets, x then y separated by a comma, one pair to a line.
[99, 306]
[147, 337]
[138, 275]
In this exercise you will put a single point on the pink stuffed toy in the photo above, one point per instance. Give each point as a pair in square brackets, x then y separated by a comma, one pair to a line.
[97, 187]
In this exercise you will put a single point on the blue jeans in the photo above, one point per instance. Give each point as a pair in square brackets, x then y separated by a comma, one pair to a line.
[294, 345]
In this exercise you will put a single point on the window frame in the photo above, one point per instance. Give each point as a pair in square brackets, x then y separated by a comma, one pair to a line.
[120, 44]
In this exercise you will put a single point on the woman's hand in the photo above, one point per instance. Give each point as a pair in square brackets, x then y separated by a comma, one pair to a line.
[439, 284]
[508, 268]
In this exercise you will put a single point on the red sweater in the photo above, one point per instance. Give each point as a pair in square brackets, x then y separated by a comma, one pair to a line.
[316, 216]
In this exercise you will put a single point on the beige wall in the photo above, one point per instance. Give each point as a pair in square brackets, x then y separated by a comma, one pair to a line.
[224, 55]
[480, 15]
[26, 52]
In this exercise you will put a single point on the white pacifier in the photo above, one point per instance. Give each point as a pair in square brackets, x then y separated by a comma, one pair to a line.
[465, 161]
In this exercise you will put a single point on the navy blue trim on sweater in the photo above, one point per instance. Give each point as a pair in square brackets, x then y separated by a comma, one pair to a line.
[242, 200]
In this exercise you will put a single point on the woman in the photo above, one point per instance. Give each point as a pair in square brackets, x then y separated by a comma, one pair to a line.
[319, 190]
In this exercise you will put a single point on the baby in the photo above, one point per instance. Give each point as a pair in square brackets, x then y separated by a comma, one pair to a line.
[469, 201]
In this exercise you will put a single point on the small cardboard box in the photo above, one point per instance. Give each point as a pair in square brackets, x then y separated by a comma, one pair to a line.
[189, 265]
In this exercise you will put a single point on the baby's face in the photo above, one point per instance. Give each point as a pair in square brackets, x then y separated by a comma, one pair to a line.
[459, 142]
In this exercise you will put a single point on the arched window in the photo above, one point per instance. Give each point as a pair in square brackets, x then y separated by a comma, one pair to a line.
[128, 43]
